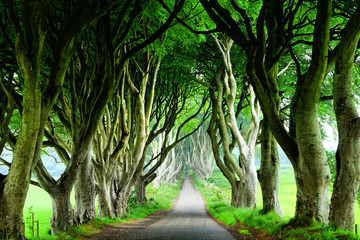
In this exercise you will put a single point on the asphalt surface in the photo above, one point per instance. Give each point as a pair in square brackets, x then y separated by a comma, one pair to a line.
[189, 220]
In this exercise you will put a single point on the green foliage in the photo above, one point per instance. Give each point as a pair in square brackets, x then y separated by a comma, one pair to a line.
[244, 232]
[29, 219]
[132, 202]
[316, 232]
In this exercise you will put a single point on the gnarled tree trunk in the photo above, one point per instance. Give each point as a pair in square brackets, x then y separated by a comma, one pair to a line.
[312, 169]
[140, 187]
[268, 173]
[347, 178]
[62, 211]
[85, 192]
[241, 174]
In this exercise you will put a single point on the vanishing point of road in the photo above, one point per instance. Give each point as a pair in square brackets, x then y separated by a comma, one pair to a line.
[188, 220]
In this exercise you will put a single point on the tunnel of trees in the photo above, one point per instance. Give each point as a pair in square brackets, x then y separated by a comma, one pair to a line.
[127, 92]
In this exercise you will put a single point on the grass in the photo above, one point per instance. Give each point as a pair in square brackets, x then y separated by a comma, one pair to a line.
[244, 232]
[40, 203]
[217, 193]
[287, 191]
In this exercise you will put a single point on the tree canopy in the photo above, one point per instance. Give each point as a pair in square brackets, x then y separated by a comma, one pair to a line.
[117, 88]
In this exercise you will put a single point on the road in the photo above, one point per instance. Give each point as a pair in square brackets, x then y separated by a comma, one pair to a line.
[189, 220]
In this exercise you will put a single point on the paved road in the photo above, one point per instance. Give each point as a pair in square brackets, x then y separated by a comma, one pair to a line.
[187, 221]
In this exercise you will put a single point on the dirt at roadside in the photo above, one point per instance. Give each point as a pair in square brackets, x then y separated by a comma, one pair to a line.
[254, 233]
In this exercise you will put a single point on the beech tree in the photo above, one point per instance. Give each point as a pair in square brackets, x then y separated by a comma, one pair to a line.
[109, 146]
[347, 179]
[139, 104]
[241, 174]
[179, 109]
[89, 94]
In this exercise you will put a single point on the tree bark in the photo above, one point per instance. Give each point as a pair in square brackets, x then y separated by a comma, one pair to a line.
[347, 178]
[85, 192]
[269, 171]
[17, 181]
[249, 181]
[237, 195]
[140, 187]
[61, 188]
[312, 168]
[105, 200]
[63, 213]
[122, 197]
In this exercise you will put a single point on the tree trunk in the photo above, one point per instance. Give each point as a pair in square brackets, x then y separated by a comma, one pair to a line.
[249, 182]
[312, 173]
[121, 202]
[13, 199]
[85, 192]
[105, 201]
[140, 187]
[106, 194]
[312, 168]
[346, 186]
[59, 190]
[236, 195]
[63, 213]
[243, 193]
[347, 157]
[120, 193]
[269, 171]
[17, 181]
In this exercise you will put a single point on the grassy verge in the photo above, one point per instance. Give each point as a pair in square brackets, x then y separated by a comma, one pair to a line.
[218, 204]
[161, 200]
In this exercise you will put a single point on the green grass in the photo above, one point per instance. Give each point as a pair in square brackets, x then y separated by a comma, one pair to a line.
[40, 203]
[218, 203]
[244, 232]
[287, 191]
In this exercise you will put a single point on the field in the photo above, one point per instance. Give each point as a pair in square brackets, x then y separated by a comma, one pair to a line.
[287, 191]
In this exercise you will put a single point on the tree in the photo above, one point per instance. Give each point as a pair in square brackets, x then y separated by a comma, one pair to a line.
[268, 174]
[347, 179]
[241, 175]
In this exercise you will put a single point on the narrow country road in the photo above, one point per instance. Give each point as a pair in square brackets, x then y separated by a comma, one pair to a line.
[188, 220]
